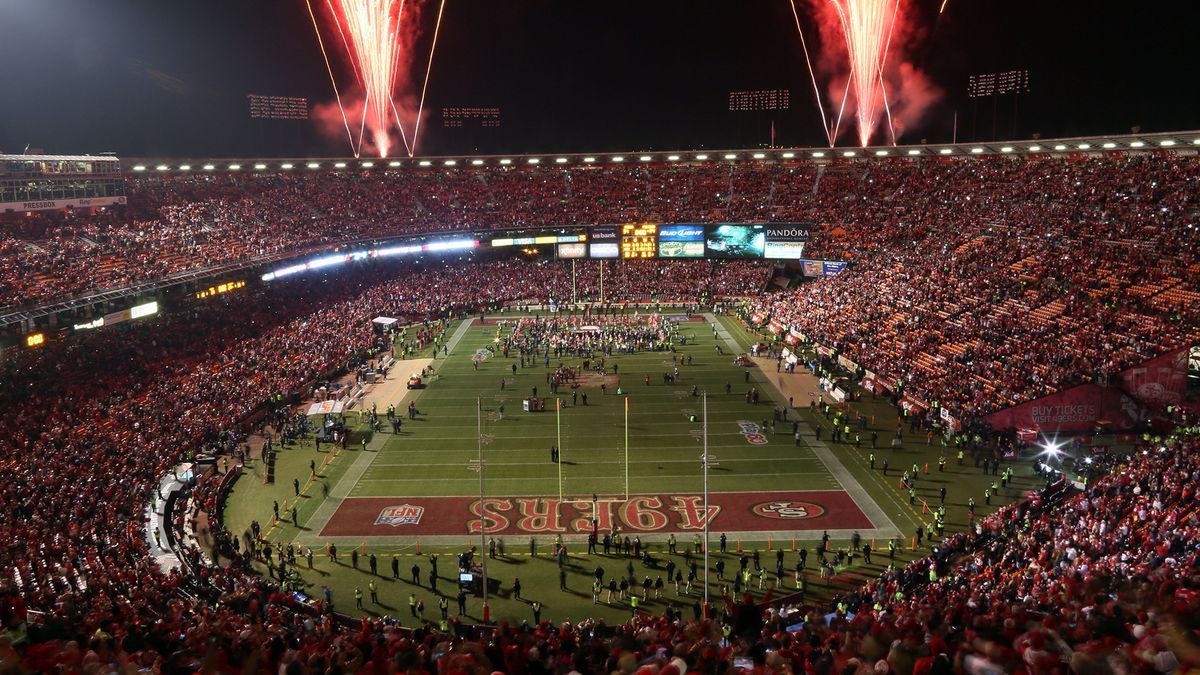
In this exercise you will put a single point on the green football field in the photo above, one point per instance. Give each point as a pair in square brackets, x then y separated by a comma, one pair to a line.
[416, 494]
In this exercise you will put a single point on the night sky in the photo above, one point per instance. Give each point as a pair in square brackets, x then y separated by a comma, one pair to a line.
[170, 77]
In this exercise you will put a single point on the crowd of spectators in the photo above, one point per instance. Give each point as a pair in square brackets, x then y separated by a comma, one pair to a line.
[176, 223]
[1013, 280]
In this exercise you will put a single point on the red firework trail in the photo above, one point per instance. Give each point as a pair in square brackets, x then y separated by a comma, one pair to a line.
[866, 27]
[375, 42]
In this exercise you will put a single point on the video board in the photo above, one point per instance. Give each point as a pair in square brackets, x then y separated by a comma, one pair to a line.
[681, 241]
[639, 240]
[735, 241]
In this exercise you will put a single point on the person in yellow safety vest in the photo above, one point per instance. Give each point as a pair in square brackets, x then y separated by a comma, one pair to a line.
[633, 603]
[960, 456]
[933, 573]
[444, 625]
[412, 604]
[595, 592]
[374, 591]
[444, 606]
[358, 597]
[762, 578]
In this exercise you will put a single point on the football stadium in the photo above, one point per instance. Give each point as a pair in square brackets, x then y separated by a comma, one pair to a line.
[363, 374]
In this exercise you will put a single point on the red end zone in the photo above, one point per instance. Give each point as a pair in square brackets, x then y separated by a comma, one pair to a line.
[729, 511]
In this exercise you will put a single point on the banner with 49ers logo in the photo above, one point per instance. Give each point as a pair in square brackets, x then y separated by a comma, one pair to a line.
[647, 514]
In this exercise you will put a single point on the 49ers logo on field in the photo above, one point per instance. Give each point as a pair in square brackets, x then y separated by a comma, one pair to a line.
[752, 432]
[788, 510]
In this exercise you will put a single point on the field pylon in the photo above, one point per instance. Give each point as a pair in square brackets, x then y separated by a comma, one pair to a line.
[362, 549]
[418, 546]
[768, 542]
[739, 545]
[872, 543]
[926, 468]
[924, 506]
[793, 544]
[914, 543]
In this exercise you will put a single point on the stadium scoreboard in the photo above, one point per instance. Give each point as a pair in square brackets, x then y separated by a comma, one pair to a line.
[639, 240]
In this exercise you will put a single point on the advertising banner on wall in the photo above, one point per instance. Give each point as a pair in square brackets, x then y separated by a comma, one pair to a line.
[604, 242]
[1081, 408]
[813, 269]
[785, 241]
[572, 250]
[1158, 382]
[681, 241]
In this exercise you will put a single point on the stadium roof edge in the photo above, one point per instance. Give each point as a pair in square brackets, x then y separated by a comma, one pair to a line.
[1040, 146]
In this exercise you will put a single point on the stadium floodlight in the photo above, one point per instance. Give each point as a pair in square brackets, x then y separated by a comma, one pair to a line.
[1166, 143]
[1137, 144]
[1060, 147]
[588, 160]
[1196, 141]
[162, 167]
[313, 165]
[1085, 146]
[207, 167]
[449, 162]
[645, 158]
[394, 164]
[477, 162]
[976, 151]
[818, 155]
[701, 157]
[914, 152]
[235, 167]
[339, 165]
[560, 160]
[1035, 148]
[1007, 148]
[425, 162]
[788, 155]
[731, 156]
[1109, 145]
[672, 158]
[139, 167]
[259, 167]
[367, 165]
[618, 158]
[185, 167]
[506, 162]
[286, 166]
[881, 153]
[849, 153]
[946, 151]
[534, 160]
[759, 155]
